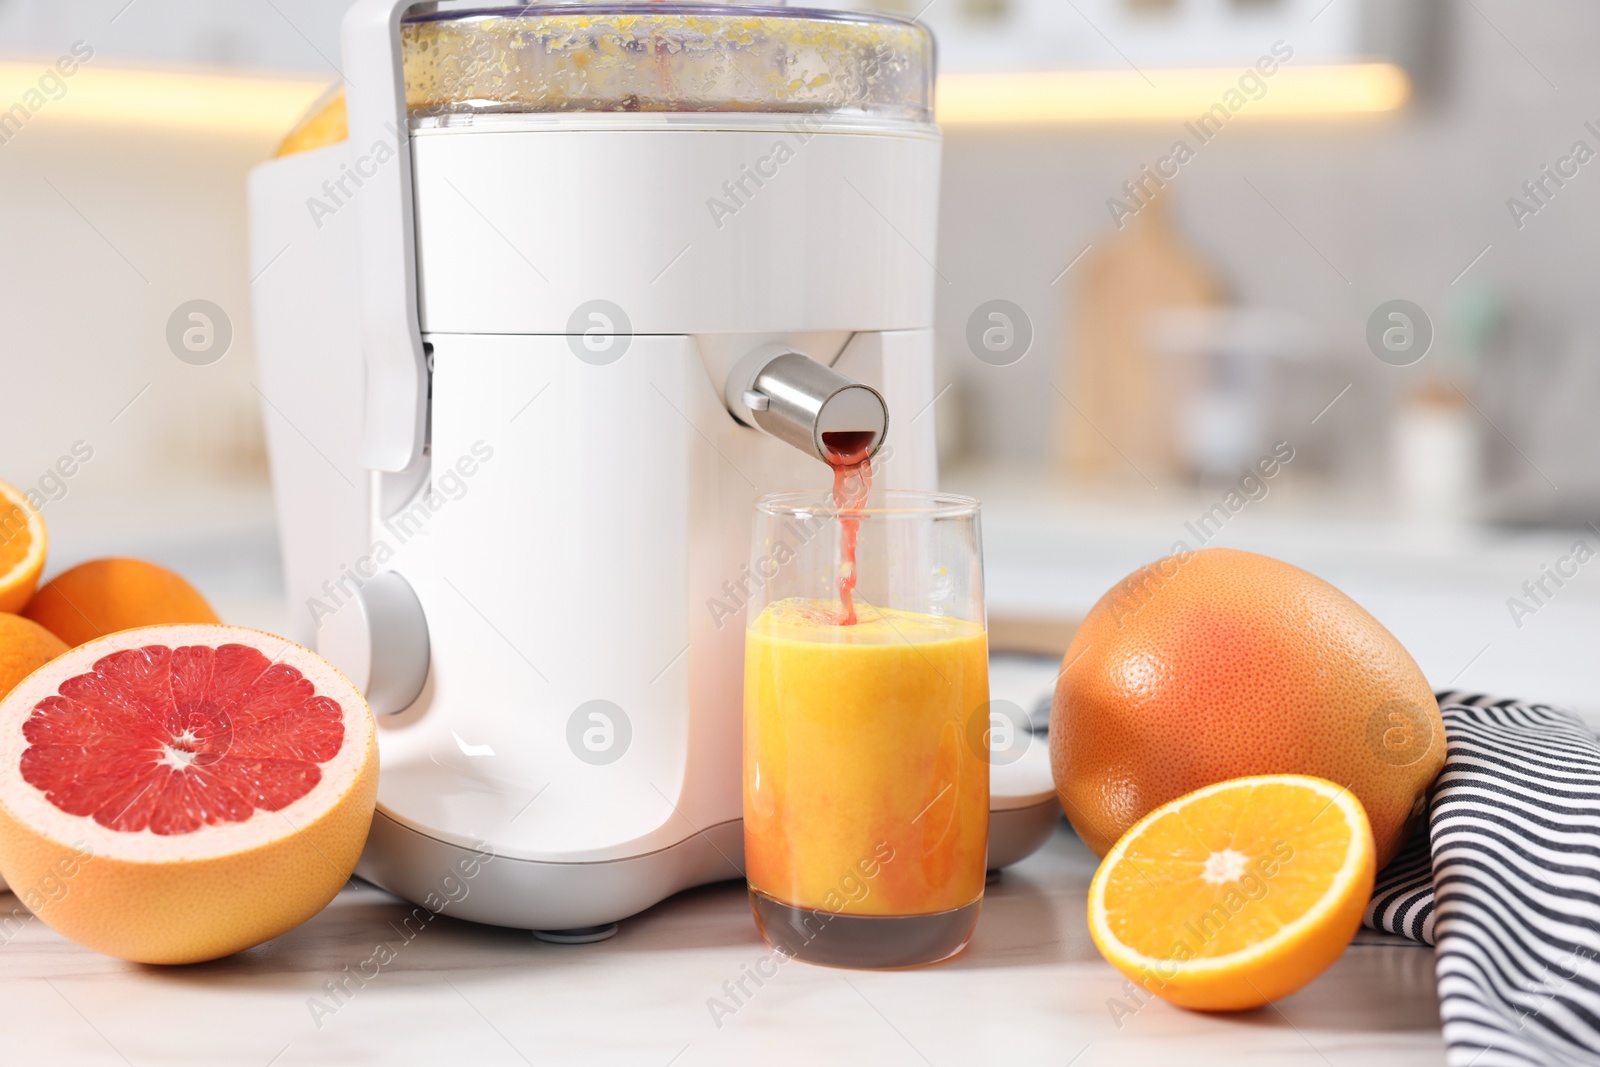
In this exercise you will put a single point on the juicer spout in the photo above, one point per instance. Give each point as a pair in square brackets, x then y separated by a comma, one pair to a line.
[808, 405]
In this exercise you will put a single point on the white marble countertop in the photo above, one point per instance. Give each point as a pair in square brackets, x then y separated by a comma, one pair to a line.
[1029, 989]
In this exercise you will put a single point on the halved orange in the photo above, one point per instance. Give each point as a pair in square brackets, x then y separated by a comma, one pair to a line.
[1236, 894]
[22, 548]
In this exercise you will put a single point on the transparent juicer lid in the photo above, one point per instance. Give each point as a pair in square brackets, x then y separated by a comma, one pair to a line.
[664, 57]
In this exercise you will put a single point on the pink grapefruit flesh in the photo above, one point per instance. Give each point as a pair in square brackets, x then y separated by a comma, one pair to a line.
[178, 793]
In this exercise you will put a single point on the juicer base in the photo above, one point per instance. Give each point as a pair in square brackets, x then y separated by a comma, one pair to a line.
[1017, 833]
[477, 884]
[587, 935]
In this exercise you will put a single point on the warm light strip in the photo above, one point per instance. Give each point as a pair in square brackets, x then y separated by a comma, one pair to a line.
[180, 100]
[256, 106]
[1112, 96]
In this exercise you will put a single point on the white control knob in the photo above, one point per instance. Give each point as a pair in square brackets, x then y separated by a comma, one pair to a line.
[379, 640]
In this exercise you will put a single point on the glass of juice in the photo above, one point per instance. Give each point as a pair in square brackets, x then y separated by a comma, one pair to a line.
[866, 759]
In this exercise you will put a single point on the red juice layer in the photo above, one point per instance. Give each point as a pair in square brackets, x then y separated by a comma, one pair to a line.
[850, 456]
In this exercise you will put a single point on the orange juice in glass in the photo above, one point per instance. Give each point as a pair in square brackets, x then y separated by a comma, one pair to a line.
[866, 783]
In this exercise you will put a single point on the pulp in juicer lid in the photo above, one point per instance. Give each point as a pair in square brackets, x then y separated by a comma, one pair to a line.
[664, 57]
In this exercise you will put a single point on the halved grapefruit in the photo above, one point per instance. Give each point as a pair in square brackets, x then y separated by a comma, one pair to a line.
[178, 793]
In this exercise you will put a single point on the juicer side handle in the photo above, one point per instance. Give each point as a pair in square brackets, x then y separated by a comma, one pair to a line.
[391, 332]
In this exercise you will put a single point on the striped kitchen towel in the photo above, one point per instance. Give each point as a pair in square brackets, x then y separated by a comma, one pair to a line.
[1505, 882]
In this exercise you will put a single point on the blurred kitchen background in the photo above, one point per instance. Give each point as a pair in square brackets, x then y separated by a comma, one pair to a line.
[1372, 254]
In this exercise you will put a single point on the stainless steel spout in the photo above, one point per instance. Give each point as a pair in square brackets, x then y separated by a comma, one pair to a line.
[810, 406]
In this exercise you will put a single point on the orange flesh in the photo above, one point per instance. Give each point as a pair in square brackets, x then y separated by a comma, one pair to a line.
[328, 125]
[16, 540]
[1282, 845]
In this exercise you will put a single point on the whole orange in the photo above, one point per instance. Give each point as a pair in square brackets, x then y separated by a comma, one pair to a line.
[1218, 664]
[25, 646]
[105, 596]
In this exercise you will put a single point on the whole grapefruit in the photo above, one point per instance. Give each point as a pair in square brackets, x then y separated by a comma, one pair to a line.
[1218, 664]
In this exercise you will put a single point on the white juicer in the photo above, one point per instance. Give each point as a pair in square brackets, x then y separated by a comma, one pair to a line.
[580, 285]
